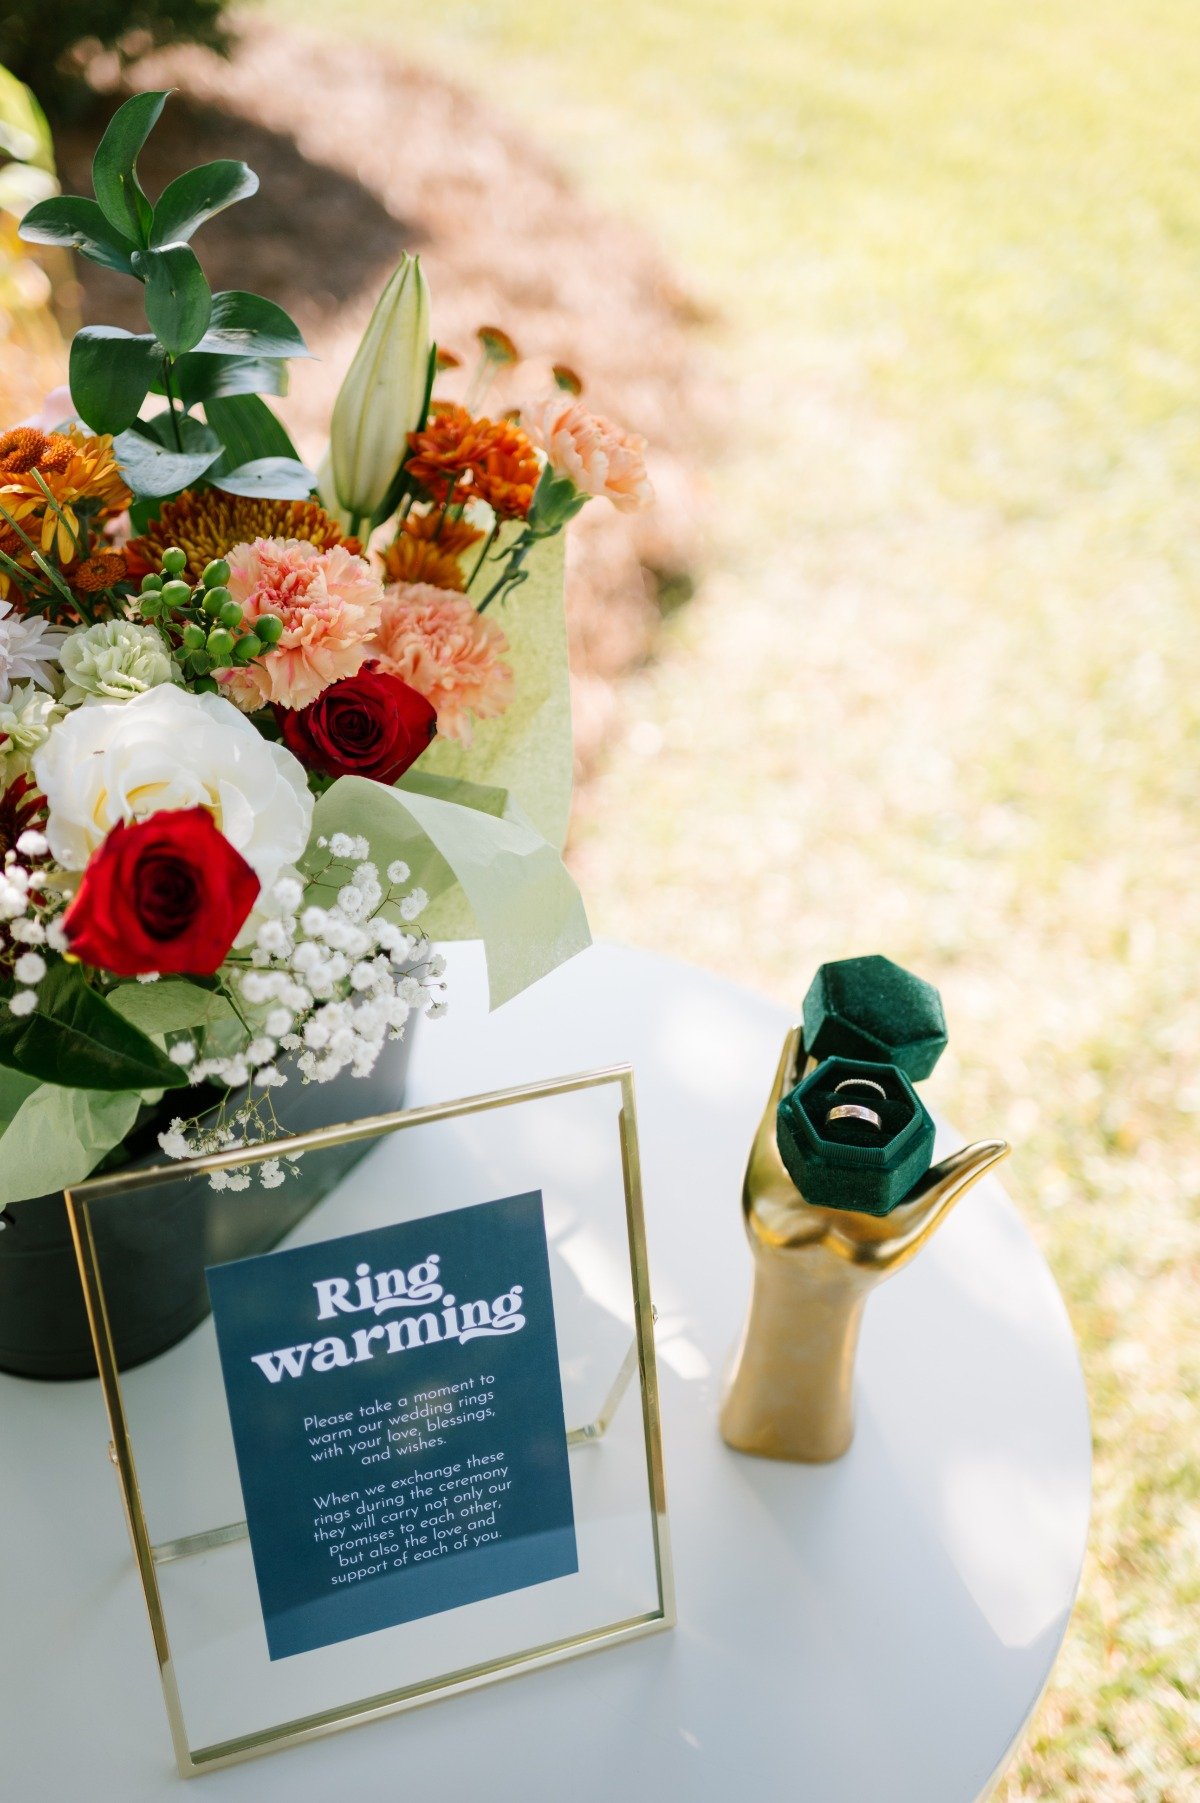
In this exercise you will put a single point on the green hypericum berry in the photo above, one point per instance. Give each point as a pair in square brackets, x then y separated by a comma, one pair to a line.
[176, 594]
[151, 582]
[247, 647]
[230, 615]
[220, 645]
[216, 574]
[151, 605]
[214, 600]
[269, 628]
[194, 637]
[174, 561]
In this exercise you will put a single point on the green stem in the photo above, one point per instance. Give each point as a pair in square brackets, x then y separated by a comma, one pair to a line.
[445, 509]
[512, 571]
[53, 575]
[170, 393]
[487, 545]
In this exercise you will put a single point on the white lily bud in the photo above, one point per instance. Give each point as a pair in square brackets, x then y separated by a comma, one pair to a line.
[380, 401]
[327, 491]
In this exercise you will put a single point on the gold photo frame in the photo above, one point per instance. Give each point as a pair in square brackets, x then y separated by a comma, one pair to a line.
[169, 1426]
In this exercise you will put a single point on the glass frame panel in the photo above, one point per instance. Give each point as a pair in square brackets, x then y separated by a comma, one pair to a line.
[86, 1197]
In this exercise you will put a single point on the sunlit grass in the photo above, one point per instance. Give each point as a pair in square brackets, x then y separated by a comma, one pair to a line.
[939, 693]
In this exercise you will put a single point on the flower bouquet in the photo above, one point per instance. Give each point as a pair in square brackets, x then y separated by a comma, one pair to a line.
[265, 733]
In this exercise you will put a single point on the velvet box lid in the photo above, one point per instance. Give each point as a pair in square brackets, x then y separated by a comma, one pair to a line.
[872, 1009]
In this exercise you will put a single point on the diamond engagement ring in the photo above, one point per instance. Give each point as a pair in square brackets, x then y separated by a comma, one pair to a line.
[861, 1083]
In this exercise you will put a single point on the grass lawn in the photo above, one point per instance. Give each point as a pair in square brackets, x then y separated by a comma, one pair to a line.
[939, 692]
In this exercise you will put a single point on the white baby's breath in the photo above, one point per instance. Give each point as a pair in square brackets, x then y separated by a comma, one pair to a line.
[334, 982]
[29, 968]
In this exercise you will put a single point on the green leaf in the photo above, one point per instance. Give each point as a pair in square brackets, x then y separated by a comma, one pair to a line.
[75, 1038]
[514, 888]
[185, 204]
[248, 430]
[151, 469]
[79, 224]
[251, 326]
[277, 478]
[14, 1090]
[58, 1137]
[211, 376]
[178, 298]
[111, 372]
[193, 435]
[114, 167]
[169, 1006]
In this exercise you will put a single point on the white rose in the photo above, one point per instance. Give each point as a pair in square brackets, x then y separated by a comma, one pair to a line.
[118, 761]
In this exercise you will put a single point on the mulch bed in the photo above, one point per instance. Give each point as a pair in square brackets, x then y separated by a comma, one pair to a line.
[392, 158]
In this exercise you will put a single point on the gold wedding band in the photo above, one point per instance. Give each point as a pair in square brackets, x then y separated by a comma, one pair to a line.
[863, 1083]
[850, 1111]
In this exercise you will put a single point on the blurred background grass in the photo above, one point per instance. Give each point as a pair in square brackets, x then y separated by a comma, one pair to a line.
[938, 692]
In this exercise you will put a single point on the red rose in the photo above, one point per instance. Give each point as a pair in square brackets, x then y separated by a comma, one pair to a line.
[371, 724]
[169, 894]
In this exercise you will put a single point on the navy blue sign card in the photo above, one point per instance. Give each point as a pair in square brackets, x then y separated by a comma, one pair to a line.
[398, 1420]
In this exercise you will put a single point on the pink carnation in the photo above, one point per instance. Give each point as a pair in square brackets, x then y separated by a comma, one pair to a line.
[599, 457]
[329, 603]
[433, 639]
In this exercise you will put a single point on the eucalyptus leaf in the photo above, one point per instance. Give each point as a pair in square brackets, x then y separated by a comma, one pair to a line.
[178, 298]
[251, 326]
[276, 478]
[152, 470]
[248, 430]
[79, 224]
[114, 166]
[211, 376]
[110, 375]
[75, 1038]
[185, 204]
[193, 435]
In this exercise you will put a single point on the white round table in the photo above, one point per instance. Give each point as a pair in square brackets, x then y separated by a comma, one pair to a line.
[875, 1631]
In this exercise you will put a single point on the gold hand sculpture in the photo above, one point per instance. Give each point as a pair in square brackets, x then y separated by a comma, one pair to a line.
[790, 1394]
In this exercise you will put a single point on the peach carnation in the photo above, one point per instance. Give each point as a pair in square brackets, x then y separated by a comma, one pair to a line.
[433, 639]
[599, 457]
[329, 603]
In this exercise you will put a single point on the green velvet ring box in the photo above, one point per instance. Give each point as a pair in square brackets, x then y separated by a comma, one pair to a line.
[855, 1165]
[871, 1008]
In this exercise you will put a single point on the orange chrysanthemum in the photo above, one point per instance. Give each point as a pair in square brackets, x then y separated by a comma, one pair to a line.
[428, 548]
[207, 523]
[103, 571]
[82, 476]
[476, 460]
[25, 448]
